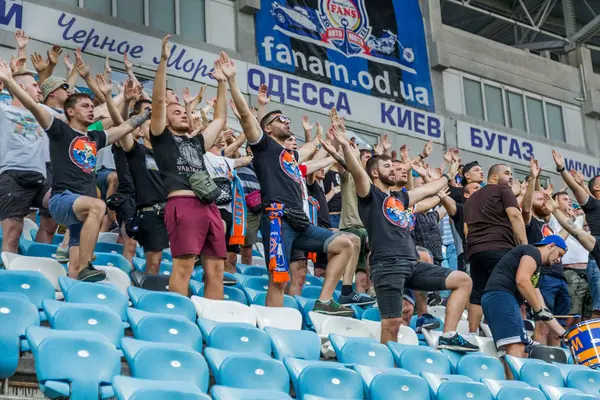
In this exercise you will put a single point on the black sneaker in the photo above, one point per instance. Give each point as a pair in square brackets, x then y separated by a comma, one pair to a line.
[434, 299]
[229, 280]
[358, 299]
[456, 343]
[91, 274]
[333, 308]
[427, 321]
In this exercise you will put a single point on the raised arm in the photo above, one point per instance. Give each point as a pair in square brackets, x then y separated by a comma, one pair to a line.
[263, 100]
[534, 173]
[360, 176]
[158, 123]
[587, 241]
[22, 40]
[131, 75]
[106, 88]
[223, 66]
[191, 102]
[429, 189]
[314, 166]
[307, 127]
[230, 150]
[43, 117]
[85, 73]
[250, 125]
[580, 194]
[309, 148]
[426, 204]
[242, 162]
[72, 74]
[118, 132]
[333, 153]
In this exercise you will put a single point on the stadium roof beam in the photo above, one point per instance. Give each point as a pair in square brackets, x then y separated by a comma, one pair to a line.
[585, 33]
[539, 46]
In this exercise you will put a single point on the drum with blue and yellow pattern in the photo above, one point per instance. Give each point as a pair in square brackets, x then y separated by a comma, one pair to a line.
[584, 342]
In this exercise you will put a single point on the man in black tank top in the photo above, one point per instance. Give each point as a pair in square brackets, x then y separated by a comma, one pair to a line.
[388, 218]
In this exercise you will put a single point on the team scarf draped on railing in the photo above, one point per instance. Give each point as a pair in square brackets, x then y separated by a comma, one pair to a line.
[238, 209]
[313, 208]
[278, 264]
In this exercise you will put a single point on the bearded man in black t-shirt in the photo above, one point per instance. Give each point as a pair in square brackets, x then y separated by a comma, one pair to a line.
[388, 218]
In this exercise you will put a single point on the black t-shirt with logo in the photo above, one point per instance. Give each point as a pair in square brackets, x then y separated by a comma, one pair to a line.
[388, 220]
[504, 275]
[278, 173]
[73, 158]
[178, 158]
[592, 215]
[537, 230]
[126, 185]
[333, 179]
[149, 188]
[315, 190]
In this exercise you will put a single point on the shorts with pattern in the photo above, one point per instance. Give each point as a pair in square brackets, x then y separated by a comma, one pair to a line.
[364, 250]
[579, 291]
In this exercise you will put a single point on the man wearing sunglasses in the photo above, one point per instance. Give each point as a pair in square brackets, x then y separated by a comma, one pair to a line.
[284, 225]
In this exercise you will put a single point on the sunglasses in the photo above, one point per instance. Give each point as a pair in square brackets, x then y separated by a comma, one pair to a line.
[282, 118]
[64, 86]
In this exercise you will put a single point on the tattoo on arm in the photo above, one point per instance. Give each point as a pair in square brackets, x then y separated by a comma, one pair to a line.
[137, 120]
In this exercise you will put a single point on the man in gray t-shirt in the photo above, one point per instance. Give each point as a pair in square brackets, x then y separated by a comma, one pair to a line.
[25, 180]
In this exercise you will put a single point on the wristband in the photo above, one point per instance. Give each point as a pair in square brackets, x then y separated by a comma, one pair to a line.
[560, 169]
[447, 177]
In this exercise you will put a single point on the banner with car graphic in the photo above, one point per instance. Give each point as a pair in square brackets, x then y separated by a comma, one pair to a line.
[372, 47]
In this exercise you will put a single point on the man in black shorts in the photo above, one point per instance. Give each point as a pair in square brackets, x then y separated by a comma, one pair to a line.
[514, 279]
[387, 215]
[150, 195]
[494, 226]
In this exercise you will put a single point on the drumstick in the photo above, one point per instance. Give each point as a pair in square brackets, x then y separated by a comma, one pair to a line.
[568, 316]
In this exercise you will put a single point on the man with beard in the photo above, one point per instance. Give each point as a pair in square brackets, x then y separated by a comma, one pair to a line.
[285, 225]
[494, 225]
[394, 261]
[552, 283]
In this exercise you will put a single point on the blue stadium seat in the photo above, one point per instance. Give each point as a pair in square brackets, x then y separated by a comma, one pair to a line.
[35, 249]
[110, 248]
[254, 270]
[162, 302]
[534, 372]
[305, 306]
[312, 292]
[478, 367]
[587, 381]
[166, 361]
[229, 393]
[165, 267]
[95, 293]
[418, 359]
[260, 299]
[32, 284]
[239, 338]
[451, 390]
[566, 369]
[372, 314]
[241, 278]
[85, 317]
[260, 284]
[520, 393]
[166, 255]
[17, 313]
[295, 366]
[216, 357]
[246, 371]
[388, 385]
[297, 344]
[112, 260]
[72, 365]
[339, 341]
[164, 328]
[365, 353]
[56, 239]
[329, 382]
[207, 325]
[312, 280]
[560, 393]
[127, 388]
[496, 386]
[229, 292]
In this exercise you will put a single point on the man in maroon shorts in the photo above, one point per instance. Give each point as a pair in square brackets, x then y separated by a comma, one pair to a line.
[193, 226]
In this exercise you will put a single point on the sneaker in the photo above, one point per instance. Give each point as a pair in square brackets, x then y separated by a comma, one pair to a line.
[456, 343]
[358, 299]
[427, 321]
[333, 308]
[62, 255]
[434, 299]
[91, 274]
[229, 281]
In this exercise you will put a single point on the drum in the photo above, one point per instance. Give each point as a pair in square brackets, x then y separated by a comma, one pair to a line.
[584, 341]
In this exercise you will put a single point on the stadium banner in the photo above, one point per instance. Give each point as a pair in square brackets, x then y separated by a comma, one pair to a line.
[519, 150]
[371, 47]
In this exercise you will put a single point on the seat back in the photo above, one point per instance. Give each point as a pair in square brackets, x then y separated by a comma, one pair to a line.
[17, 313]
[516, 393]
[478, 367]
[339, 325]
[158, 283]
[116, 277]
[278, 317]
[247, 372]
[171, 364]
[72, 358]
[111, 259]
[260, 299]
[35, 249]
[372, 314]
[90, 318]
[560, 393]
[329, 382]
[164, 329]
[366, 353]
[240, 339]
[386, 386]
[549, 354]
[256, 271]
[127, 388]
[95, 293]
[311, 292]
[294, 343]
[223, 310]
[537, 374]
[166, 303]
[32, 284]
[229, 393]
[588, 381]
[419, 359]
[257, 283]
[312, 280]
[451, 390]
[108, 237]
[29, 226]
[49, 267]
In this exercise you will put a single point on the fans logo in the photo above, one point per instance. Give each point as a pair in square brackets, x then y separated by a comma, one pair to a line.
[289, 165]
[83, 153]
[340, 24]
[394, 211]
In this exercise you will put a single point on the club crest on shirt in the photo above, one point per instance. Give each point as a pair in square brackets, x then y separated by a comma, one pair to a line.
[394, 211]
[288, 164]
[83, 153]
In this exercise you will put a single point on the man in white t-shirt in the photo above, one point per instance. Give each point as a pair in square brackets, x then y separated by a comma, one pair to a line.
[219, 168]
[574, 261]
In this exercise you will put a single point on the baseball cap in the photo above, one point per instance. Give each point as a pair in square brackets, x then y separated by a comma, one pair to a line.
[470, 166]
[553, 239]
[51, 84]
